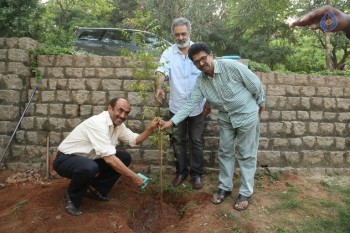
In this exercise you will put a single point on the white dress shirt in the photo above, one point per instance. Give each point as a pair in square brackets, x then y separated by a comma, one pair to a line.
[97, 137]
[182, 75]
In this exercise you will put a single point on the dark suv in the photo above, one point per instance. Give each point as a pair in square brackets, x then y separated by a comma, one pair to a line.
[111, 41]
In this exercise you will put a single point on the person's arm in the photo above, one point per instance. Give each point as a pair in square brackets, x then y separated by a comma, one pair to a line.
[207, 108]
[252, 83]
[192, 102]
[98, 135]
[148, 131]
[160, 94]
[313, 18]
[120, 167]
[162, 72]
[261, 109]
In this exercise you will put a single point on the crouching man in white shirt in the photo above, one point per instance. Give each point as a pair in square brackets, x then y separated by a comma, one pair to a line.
[88, 155]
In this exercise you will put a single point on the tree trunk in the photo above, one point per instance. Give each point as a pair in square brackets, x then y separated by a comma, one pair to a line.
[328, 46]
[329, 62]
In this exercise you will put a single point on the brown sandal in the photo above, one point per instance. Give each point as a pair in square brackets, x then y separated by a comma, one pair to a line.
[238, 203]
[220, 196]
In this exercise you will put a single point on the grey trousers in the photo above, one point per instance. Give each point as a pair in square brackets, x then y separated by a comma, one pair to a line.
[246, 140]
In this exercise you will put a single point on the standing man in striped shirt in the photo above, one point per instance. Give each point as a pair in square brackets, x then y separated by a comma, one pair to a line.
[182, 74]
[239, 96]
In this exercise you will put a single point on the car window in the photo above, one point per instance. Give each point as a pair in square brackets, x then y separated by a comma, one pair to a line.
[142, 38]
[117, 37]
[111, 41]
[92, 35]
[151, 40]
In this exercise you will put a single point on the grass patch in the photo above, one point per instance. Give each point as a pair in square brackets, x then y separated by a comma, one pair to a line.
[226, 215]
[344, 212]
[123, 196]
[287, 200]
[16, 208]
[189, 206]
[169, 188]
[320, 215]
[324, 183]
[131, 211]
[273, 176]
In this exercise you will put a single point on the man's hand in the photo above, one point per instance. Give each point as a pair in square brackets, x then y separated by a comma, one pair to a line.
[120, 167]
[149, 130]
[165, 125]
[207, 109]
[313, 18]
[160, 95]
[261, 109]
[155, 124]
[137, 180]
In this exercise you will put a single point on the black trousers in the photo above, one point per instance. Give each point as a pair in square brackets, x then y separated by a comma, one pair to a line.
[84, 172]
[193, 127]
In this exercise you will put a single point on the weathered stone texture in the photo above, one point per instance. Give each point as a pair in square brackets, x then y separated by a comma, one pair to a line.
[74, 72]
[54, 73]
[306, 123]
[18, 68]
[64, 61]
[27, 43]
[111, 84]
[18, 55]
[9, 97]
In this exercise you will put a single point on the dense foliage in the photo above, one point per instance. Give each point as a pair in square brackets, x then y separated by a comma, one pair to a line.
[17, 18]
[253, 29]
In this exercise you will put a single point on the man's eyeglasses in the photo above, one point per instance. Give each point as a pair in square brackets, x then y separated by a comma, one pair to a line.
[202, 59]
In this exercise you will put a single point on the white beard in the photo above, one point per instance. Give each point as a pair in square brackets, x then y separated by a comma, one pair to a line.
[184, 45]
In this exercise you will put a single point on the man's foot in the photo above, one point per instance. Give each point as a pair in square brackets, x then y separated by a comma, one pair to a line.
[220, 196]
[197, 182]
[70, 208]
[241, 203]
[178, 180]
[96, 195]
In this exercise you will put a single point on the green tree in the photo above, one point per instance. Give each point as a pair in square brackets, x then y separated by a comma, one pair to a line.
[124, 10]
[206, 17]
[262, 34]
[60, 18]
[339, 43]
[18, 17]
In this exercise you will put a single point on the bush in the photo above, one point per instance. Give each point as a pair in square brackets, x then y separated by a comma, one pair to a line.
[256, 66]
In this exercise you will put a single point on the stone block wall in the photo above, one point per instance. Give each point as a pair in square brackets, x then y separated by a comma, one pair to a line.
[306, 125]
[15, 73]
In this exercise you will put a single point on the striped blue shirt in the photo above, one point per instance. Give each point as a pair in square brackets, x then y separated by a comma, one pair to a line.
[234, 90]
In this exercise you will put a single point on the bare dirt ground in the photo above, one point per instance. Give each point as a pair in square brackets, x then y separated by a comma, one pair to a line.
[38, 206]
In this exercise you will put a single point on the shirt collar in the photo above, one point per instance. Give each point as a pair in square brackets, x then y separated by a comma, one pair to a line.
[108, 118]
[177, 50]
[217, 69]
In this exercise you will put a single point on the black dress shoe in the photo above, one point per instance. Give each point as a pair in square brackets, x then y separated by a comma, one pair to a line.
[70, 208]
[197, 182]
[96, 195]
[178, 180]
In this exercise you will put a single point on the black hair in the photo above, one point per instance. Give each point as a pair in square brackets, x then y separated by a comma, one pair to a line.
[114, 101]
[198, 47]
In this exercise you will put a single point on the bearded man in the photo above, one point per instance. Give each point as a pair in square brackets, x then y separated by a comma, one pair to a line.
[182, 74]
